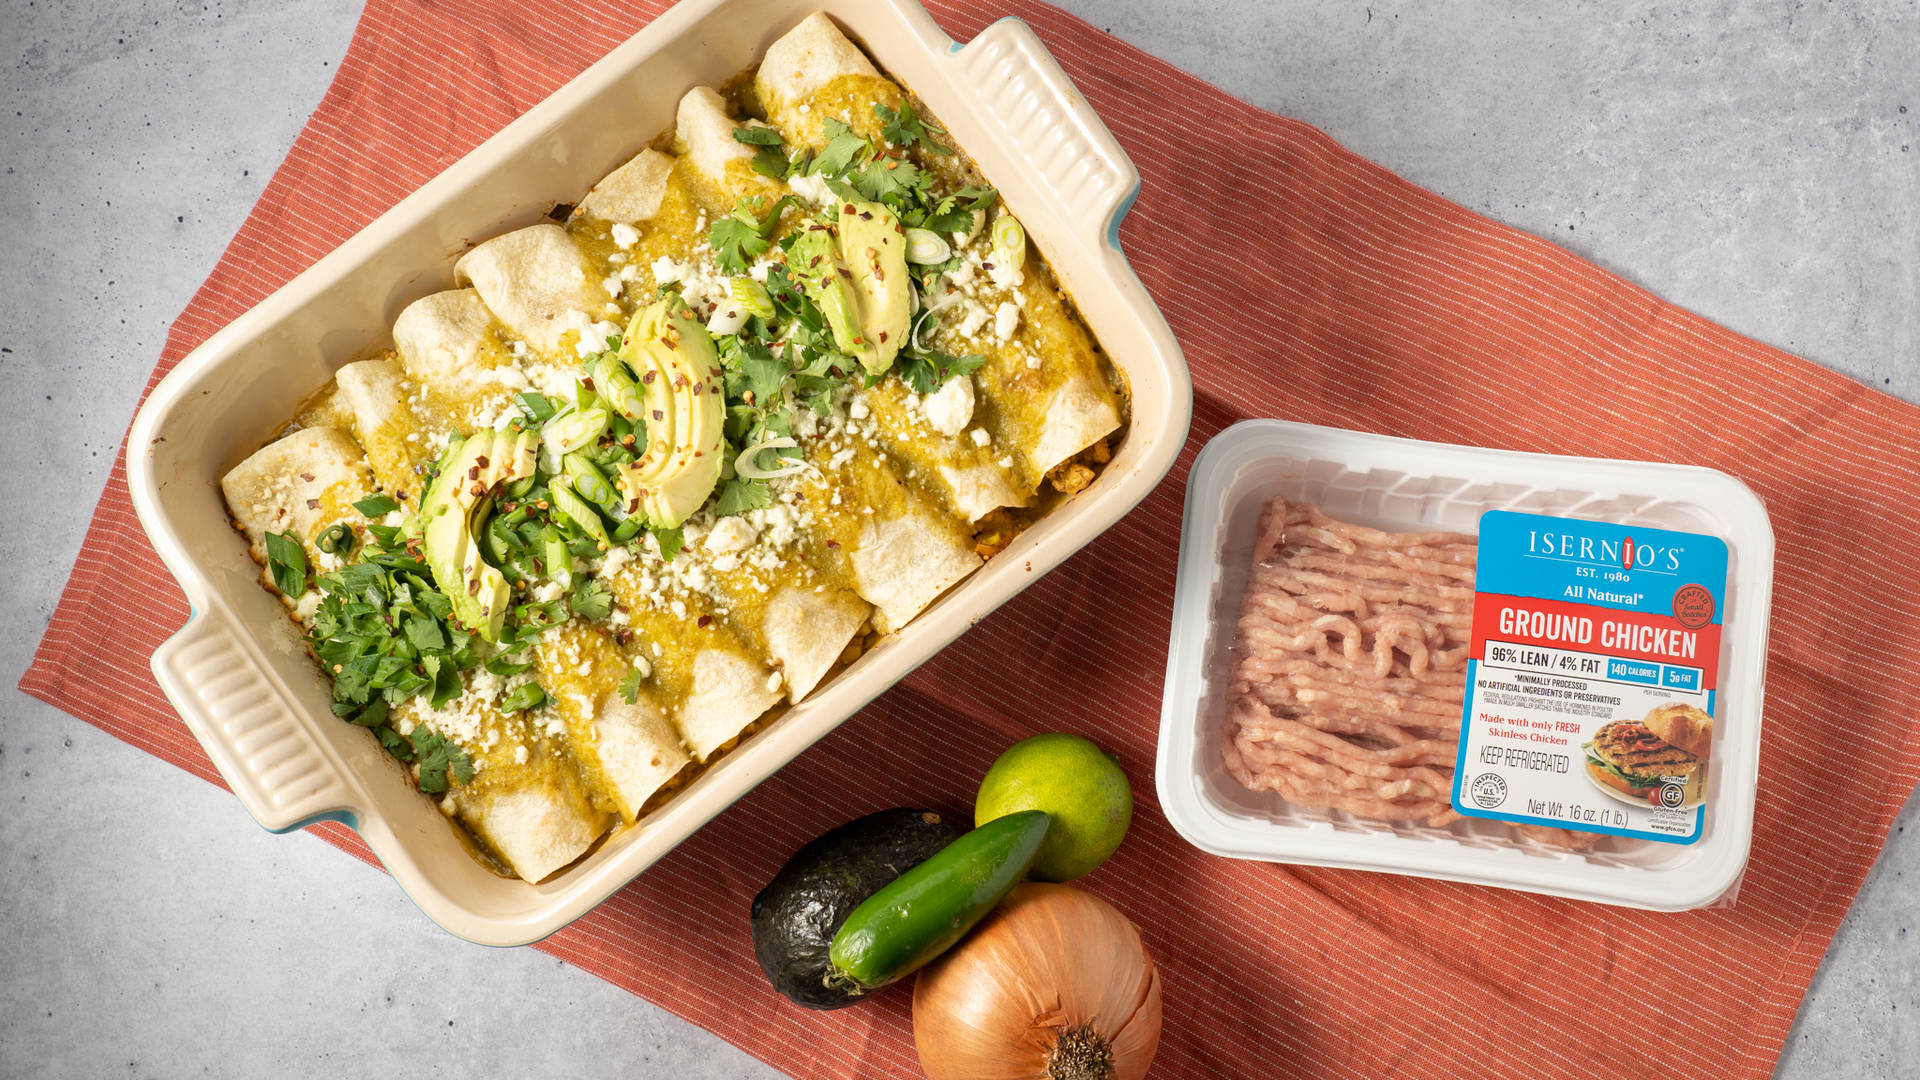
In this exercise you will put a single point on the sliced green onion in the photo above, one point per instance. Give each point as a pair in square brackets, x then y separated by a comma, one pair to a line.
[615, 383]
[378, 504]
[589, 481]
[925, 247]
[558, 558]
[538, 407]
[575, 509]
[524, 696]
[747, 464]
[1009, 242]
[287, 561]
[337, 540]
[628, 529]
[574, 430]
[751, 295]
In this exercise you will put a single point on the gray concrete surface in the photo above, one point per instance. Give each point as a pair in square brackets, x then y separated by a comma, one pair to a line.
[1759, 163]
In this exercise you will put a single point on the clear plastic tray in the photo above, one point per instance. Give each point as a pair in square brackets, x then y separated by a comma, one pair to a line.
[1404, 485]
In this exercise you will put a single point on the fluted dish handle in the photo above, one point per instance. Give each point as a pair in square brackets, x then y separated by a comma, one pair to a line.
[1049, 126]
[243, 718]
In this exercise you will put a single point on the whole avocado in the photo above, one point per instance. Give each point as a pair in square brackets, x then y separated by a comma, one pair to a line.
[799, 911]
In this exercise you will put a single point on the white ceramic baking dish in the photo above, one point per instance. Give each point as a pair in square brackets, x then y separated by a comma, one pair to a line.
[237, 672]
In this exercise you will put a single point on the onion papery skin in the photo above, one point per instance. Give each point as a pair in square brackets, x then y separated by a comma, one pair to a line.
[1049, 960]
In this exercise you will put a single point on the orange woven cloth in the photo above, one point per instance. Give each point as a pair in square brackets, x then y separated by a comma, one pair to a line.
[1360, 301]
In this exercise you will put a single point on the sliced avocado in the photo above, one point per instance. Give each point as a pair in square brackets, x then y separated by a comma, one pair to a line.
[874, 248]
[815, 259]
[455, 509]
[796, 916]
[856, 270]
[683, 404]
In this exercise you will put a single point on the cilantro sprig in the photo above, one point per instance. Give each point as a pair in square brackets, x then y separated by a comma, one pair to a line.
[907, 127]
[436, 756]
[770, 156]
[742, 236]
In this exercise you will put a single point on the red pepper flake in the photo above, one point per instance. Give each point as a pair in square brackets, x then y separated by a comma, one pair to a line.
[481, 460]
[847, 209]
[586, 381]
[705, 621]
[833, 543]
[883, 337]
[623, 635]
[648, 377]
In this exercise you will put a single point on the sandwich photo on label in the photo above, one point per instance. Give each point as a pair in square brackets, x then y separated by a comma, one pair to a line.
[1638, 760]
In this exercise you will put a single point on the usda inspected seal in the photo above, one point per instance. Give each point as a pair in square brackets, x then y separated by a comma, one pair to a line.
[1489, 790]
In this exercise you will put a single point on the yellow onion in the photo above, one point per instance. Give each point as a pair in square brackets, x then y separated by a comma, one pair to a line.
[1054, 985]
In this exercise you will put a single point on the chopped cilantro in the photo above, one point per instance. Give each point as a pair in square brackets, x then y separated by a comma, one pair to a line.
[956, 213]
[757, 135]
[506, 667]
[843, 146]
[426, 633]
[395, 743]
[895, 183]
[742, 235]
[436, 756]
[630, 686]
[287, 562]
[670, 541]
[593, 600]
[770, 159]
[906, 127]
[734, 243]
[741, 494]
[757, 376]
[924, 371]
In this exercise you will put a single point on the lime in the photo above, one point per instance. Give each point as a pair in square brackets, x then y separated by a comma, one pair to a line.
[1078, 784]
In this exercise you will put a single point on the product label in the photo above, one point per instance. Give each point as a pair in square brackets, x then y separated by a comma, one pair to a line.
[1591, 679]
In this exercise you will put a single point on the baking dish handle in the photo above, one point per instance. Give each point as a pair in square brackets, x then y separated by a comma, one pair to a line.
[1050, 126]
[248, 727]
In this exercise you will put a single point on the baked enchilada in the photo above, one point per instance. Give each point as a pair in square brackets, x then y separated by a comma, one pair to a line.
[660, 464]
